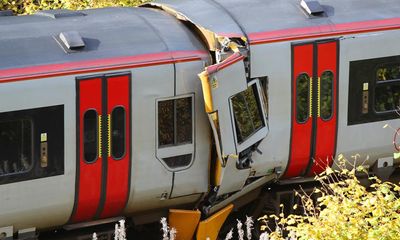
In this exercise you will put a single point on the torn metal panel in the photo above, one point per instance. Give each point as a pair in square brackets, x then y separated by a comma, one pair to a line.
[210, 19]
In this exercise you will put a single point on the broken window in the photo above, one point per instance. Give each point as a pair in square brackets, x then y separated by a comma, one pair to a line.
[247, 113]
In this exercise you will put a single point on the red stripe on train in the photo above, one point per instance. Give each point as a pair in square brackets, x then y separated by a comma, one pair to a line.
[323, 31]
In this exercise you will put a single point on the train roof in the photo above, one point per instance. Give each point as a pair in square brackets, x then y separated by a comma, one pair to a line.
[107, 33]
[238, 17]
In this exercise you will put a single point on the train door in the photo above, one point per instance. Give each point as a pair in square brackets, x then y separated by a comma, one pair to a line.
[236, 111]
[314, 107]
[103, 146]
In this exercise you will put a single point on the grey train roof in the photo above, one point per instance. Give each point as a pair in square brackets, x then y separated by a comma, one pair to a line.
[109, 32]
[268, 15]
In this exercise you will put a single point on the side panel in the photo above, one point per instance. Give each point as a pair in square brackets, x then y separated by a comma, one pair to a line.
[151, 182]
[274, 148]
[89, 174]
[118, 167]
[195, 178]
[352, 138]
[325, 143]
[48, 201]
[300, 143]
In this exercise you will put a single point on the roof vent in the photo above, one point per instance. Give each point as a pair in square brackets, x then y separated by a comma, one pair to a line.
[59, 13]
[6, 13]
[72, 40]
[312, 7]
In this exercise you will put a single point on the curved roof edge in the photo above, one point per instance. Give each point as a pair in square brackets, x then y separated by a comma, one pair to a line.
[198, 13]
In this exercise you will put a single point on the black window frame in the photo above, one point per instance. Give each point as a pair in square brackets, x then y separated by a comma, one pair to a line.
[96, 157]
[332, 96]
[124, 133]
[308, 98]
[362, 72]
[46, 121]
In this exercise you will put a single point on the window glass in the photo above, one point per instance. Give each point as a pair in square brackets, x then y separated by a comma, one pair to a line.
[388, 72]
[302, 98]
[15, 146]
[183, 120]
[175, 121]
[247, 114]
[90, 135]
[118, 132]
[166, 123]
[387, 97]
[326, 95]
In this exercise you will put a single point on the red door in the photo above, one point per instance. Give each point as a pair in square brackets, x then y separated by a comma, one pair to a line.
[103, 137]
[314, 107]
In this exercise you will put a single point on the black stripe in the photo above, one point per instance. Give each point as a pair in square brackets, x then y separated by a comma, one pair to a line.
[291, 110]
[104, 147]
[130, 140]
[337, 96]
[314, 109]
[77, 112]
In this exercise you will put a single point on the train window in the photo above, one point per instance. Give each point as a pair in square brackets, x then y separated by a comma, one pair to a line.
[184, 120]
[247, 113]
[387, 90]
[387, 97]
[326, 95]
[388, 72]
[31, 144]
[175, 121]
[15, 146]
[175, 132]
[302, 98]
[374, 90]
[118, 132]
[90, 135]
[166, 123]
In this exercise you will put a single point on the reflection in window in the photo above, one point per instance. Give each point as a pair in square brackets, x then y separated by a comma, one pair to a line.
[175, 121]
[166, 122]
[302, 97]
[388, 72]
[387, 97]
[90, 136]
[15, 146]
[326, 101]
[247, 113]
[184, 120]
[118, 132]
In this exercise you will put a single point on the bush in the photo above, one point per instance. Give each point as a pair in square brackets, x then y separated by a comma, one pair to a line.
[345, 209]
[31, 6]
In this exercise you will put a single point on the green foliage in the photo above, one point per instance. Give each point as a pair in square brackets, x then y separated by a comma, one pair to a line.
[31, 6]
[345, 209]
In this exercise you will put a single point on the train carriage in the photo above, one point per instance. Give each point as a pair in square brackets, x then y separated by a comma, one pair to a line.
[190, 105]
